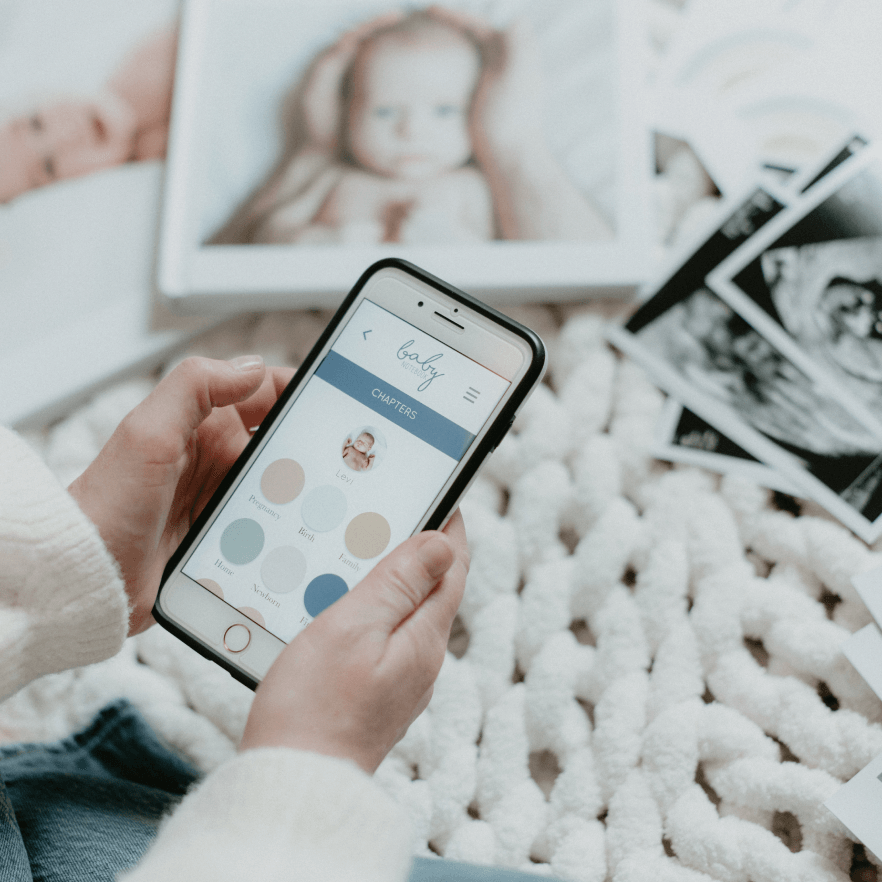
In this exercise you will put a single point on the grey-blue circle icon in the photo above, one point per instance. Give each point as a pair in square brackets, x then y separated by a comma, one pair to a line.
[242, 541]
[322, 591]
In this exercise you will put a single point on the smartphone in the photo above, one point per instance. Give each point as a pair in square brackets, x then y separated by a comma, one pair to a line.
[379, 435]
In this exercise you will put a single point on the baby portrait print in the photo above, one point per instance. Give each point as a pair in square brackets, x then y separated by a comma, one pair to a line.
[398, 124]
[388, 153]
[499, 144]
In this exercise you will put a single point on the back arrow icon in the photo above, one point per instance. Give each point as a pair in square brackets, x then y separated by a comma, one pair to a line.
[364, 334]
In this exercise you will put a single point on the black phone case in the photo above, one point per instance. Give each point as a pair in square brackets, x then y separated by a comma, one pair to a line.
[497, 432]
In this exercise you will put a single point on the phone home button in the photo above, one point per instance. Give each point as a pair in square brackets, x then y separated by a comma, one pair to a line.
[237, 638]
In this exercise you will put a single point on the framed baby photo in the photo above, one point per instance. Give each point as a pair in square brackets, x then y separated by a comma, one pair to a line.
[496, 143]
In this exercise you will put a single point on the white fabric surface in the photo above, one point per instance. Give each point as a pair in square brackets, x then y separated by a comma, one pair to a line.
[643, 680]
[648, 644]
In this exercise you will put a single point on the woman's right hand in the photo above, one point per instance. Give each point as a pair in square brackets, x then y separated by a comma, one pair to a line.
[352, 682]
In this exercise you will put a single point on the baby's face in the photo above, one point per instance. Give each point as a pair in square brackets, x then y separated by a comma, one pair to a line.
[409, 114]
[363, 443]
[62, 140]
[854, 308]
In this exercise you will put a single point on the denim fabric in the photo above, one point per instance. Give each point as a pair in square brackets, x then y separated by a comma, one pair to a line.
[86, 808]
[442, 870]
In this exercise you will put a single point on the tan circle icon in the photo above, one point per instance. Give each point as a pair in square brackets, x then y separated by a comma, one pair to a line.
[282, 481]
[253, 614]
[367, 535]
[212, 586]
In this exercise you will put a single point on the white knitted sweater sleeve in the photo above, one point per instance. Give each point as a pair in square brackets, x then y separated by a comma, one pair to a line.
[62, 602]
[267, 814]
[281, 815]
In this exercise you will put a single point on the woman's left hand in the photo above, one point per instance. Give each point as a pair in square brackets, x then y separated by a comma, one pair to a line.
[165, 459]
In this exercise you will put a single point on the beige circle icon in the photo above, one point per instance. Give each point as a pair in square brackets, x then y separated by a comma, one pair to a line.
[253, 614]
[282, 481]
[212, 586]
[367, 535]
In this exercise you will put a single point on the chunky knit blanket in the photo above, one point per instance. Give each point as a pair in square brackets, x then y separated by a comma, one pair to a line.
[645, 678]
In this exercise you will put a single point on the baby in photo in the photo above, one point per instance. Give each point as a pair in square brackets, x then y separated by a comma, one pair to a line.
[829, 299]
[126, 121]
[403, 171]
[358, 454]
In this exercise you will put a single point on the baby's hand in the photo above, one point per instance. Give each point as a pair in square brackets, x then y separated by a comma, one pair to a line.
[425, 225]
[322, 105]
[507, 107]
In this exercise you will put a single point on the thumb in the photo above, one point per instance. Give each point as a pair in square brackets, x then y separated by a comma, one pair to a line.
[398, 584]
[185, 398]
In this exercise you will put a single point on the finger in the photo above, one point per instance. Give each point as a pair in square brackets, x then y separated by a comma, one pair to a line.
[434, 617]
[352, 38]
[475, 27]
[455, 531]
[423, 703]
[167, 418]
[430, 624]
[254, 409]
[113, 124]
[223, 437]
[225, 440]
[402, 581]
[227, 431]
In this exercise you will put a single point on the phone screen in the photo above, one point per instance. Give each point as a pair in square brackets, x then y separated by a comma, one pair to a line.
[348, 472]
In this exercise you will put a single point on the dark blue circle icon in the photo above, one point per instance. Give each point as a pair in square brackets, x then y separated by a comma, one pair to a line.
[322, 591]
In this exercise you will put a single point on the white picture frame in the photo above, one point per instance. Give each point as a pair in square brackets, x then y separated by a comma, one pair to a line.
[77, 256]
[234, 71]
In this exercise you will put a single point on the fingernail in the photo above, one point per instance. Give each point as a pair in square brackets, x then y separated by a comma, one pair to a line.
[246, 363]
[436, 556]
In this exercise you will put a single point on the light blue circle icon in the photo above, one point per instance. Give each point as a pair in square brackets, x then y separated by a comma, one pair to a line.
[323, 508]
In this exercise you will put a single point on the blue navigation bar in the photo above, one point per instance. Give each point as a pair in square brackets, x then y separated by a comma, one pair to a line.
[399, 408]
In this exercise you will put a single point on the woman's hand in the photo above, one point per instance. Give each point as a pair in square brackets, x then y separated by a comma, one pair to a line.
[359, 675]
[166, 458]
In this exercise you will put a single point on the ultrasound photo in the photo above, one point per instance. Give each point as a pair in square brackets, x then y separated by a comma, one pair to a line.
[829, 298]
[725, 370]
[816, 275]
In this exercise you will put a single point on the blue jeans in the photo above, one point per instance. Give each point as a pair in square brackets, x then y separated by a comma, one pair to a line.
[86, 808]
